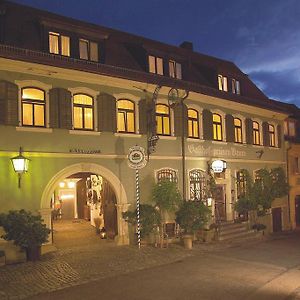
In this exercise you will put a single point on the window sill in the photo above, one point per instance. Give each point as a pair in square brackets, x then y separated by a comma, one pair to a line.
[219, 142]
[195, 140]
[34, 129]
[166, 137]
[240, 144]
[257, 146]
[129, 135]
[84, 132]
[274, 148]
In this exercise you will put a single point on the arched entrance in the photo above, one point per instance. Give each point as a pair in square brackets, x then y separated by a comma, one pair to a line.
[89, 168]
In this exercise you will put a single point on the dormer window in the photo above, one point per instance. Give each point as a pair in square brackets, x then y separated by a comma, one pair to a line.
[222, 82]
[59, 44]
[235, 87]
[175, 69]
[88, 50]
[155, 65]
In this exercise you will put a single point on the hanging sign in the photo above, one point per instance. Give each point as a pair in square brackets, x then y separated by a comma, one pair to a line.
[218, 166]
[137, 157]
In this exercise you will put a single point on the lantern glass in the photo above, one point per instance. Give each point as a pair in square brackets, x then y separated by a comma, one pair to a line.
[20, 164]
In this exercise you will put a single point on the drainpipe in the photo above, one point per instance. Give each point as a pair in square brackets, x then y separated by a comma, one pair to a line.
[288, 180]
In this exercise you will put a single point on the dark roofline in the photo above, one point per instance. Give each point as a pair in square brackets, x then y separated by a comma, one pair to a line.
[32, 56]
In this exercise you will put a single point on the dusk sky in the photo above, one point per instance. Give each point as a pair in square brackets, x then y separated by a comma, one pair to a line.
[261, 36]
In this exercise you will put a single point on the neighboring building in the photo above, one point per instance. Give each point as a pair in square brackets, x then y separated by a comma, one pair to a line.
[76, 96]
[292, 138]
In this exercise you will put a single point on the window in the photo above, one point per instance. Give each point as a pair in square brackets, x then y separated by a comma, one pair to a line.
[126, 116]
[163, 119]
[256, 133]
[88, 50]
[33, 107]
[197, 185]
[175, 69]
[155, 65]
[235, 87]
[296, 165]
[59, 44]
[222, 82]
[83, 112]
[271, 130]
[167, 174]
[289, 128]
[193, 124]
[217, 127]
[241, 183]
[238, 137]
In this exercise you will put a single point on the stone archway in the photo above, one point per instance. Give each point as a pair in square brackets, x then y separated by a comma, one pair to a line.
[122, 204]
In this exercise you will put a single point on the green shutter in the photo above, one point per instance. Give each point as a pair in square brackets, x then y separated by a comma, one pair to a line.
[65, 108]
[107, 116]
[9, 93]
[265, 131]
[249, 131]
[229, 123]
[143, 116]
[207, 125]
[178, 121]
[54, 108]
[279, 135]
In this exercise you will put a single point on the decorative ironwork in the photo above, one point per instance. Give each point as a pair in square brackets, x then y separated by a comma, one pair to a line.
[167, 174]
[197, 185]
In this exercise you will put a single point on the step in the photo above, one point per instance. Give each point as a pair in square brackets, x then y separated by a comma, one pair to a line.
[237, 235]
[233, 230]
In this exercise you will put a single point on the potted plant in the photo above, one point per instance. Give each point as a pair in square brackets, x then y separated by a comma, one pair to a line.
[26, 231]
[149, 219]
[191, 217]
[166, 198]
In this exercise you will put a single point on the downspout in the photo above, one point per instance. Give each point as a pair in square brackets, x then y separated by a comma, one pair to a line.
[288, 180]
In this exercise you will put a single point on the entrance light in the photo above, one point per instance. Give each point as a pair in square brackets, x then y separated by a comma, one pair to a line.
[20, 164]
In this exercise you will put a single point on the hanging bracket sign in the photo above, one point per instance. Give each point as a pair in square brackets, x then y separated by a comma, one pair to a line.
[137, 157]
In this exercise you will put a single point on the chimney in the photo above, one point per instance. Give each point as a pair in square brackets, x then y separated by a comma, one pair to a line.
[187, 45]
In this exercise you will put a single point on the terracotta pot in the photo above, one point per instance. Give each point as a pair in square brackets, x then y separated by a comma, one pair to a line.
[33, 253]
[188, 241]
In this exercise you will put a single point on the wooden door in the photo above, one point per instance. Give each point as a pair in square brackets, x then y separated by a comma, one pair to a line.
[81, 197]
[297, 210]
[277, 221]
[109, 210]
[220, 203]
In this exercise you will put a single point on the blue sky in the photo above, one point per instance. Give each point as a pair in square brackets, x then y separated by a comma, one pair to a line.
[261, 36]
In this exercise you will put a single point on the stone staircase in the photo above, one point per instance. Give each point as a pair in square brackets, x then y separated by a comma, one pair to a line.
[235, 231]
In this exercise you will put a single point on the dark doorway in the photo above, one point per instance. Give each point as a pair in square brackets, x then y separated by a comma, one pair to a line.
[220, 202]
[297, 210]
[277, 220]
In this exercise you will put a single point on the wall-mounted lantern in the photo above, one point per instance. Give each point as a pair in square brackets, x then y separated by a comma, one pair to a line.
[20, 164]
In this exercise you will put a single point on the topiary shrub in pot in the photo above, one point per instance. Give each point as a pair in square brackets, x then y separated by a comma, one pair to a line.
[191, 216]
[26, 230]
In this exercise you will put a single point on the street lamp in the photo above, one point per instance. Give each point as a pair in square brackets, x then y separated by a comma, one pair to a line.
[20, 165]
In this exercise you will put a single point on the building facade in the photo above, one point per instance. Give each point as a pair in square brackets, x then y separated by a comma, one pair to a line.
[76, 96]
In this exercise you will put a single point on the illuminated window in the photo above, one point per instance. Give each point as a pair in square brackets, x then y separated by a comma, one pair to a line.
[241, 183]
[217, 127]
[256, 133]
[166, 174]
[197, 185]
[155, 65]
[222, 82]
[271, 129]
[235, 87]
[163, 119]
[59, 44]
[193, 124]
[175, 69]
[126, 116]
[33, 107]
[83, 112]
[238, 137]
[289, 128]
[88, 50]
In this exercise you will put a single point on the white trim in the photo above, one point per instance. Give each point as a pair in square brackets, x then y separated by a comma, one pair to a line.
[126, 96]
[167, 137]
[34, 129]
[84, 90]
[34, 84]
[127, 135]
[84, 132]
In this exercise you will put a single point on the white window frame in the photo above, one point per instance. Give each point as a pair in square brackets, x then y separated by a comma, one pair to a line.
[243, 120]
[33, 84]
[260, 133]
[155, 64]
[176, 70]
[275, 134]
[92, 93]
[235, 86]
[221, 83]
[189, 181]
[172, 132]
[222, 114]
[59, 35]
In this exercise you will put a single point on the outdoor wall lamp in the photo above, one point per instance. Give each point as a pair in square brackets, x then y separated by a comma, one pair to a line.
[20, 165]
